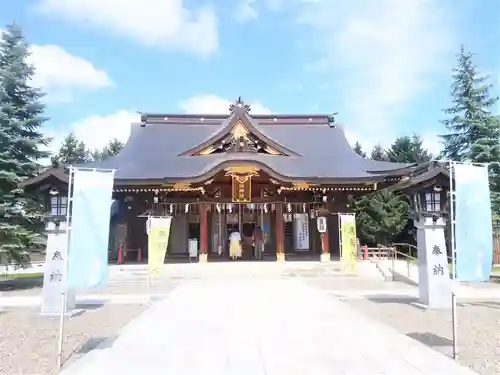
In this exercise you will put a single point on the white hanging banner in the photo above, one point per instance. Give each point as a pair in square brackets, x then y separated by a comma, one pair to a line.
[301, 231]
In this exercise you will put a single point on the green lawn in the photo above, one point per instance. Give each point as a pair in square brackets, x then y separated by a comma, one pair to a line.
[21, 276]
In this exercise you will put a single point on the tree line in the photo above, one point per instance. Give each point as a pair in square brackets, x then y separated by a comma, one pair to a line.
[73, 151]
[472, 134]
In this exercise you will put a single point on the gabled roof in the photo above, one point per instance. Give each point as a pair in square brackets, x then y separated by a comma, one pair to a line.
[312, 148]
[56, 173]
[424, 176]
[240, 122]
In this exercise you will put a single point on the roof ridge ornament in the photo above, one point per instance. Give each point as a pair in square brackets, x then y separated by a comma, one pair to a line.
[239, 106]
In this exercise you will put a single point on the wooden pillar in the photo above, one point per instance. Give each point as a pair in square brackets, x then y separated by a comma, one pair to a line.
[280, 233]
[203, 232]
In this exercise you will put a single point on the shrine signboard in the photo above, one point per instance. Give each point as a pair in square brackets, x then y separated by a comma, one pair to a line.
[241, 181]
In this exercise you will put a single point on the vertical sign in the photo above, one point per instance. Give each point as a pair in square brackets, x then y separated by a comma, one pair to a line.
[348, 241]
[301, 231]
[89, 235]
[242, 188]
[433, 273]
[473, 226]
[157, 243]
[54, 275]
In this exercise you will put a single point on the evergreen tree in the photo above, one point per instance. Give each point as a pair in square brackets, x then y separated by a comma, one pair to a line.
[473, 131]
[381, 217]
[112, 148]
[359, 150]
[472, 101]
[21, 121]
[486, 149]
[378, 153]
[408, 150]
[71, 152]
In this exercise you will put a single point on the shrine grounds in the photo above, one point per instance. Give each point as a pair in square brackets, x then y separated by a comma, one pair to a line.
[28, 341]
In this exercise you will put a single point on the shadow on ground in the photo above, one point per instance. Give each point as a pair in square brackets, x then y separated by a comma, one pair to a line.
[430, 339]
[21, 284]
[96, 343]
[89, 306]
[413, 301]
[387, 298]
[488, 304]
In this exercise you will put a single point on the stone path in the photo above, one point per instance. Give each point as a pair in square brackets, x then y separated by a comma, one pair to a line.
[272, 327]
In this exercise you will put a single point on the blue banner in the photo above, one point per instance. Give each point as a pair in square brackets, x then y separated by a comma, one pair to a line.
[473, 226]
[89, 235]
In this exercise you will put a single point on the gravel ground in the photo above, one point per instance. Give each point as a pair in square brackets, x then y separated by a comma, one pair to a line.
[478, 336]
[28, 341]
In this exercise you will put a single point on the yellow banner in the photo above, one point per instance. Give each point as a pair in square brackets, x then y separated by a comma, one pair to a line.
[348, 241]
[159, 233]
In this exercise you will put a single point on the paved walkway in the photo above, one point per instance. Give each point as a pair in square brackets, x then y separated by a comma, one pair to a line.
[271, 327]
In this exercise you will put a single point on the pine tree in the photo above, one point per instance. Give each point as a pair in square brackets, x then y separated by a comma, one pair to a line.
[378, 153]
[71, 152]
[486, 149]
[112, 148]
[408, 150]
[473, 131]
[21, 120]
[472, 101]
[358, 149]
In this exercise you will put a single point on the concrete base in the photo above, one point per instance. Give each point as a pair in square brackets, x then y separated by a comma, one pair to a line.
[325, 257]
[203, 258]
[280, 257]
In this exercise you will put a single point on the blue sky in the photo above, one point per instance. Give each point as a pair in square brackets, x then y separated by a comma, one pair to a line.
[384, 65]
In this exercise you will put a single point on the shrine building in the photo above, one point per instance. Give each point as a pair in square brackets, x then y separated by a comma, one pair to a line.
[214, 173]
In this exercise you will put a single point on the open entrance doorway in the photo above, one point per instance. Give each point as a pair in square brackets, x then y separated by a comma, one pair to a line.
[248, 220]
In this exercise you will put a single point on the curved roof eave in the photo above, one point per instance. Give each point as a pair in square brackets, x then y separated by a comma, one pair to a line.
[214, 169]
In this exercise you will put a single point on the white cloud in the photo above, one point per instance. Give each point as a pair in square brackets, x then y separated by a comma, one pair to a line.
[245, 11]
[59, 72]
[97, 131]
[212, 104]
[383, 54]
[159, 23]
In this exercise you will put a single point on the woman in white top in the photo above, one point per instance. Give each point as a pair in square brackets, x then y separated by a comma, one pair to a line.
[235, 249]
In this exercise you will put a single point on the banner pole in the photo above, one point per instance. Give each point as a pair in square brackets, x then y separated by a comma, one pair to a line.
[65, 281]
[453, 262]
[61, 332]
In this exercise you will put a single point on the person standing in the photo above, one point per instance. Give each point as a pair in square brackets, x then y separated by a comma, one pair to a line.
[235, 249]
[258, 242]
